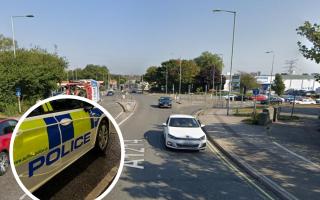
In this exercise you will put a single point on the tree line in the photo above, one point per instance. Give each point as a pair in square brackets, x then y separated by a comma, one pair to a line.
[197, 75]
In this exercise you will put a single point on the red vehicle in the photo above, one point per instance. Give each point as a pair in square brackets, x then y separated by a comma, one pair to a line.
[6, 129]
[259, 97]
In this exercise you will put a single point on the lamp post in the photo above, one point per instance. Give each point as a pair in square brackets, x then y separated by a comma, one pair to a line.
[234, 25]
[270, 75]
[180, 78]
[12, 27]
[167, 79]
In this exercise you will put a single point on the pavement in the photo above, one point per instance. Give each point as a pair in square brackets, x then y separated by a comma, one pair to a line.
[284, 156]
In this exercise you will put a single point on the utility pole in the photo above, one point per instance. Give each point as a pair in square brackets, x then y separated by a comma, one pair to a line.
[166, 79]
[232, 47]
[180, 79]
[213, 72]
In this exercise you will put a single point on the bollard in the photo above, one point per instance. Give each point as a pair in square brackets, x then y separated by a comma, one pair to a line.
[275, 114]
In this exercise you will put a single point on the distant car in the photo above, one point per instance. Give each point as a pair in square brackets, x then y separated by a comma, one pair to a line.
[165, 102]
[273, 100]
[184, 132]
[318, 101]
[288, 98]
[6, 129]
[240, 98]
[110, 93]
[304, 101]
[232, 96]
[259, 97]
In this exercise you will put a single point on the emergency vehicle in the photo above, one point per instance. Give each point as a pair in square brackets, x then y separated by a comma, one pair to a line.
[54, 135]
[87, 88]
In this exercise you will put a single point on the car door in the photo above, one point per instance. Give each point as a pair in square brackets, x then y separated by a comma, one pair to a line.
[37, 147]
[77, 129]
[6, 130]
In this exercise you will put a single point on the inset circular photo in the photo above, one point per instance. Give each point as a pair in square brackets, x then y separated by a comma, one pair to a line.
[67, 147]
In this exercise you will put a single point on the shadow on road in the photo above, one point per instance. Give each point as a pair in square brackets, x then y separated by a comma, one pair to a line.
[174, 175]
[80, 178]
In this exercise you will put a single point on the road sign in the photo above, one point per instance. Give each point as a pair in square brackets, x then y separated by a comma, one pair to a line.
[18, 92]
[255, 92]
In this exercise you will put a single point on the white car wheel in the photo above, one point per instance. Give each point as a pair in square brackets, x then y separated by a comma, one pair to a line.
[103, 135]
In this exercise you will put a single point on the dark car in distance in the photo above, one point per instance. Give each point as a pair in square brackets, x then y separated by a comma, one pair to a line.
[240, 98]
[110, 93]
[165, 102]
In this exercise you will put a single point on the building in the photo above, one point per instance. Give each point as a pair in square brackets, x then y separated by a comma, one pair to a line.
[295, 81]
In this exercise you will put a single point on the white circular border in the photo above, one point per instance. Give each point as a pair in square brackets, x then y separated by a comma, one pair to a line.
[108, 115]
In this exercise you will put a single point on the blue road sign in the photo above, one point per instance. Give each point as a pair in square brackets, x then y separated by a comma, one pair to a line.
[255, 92]
[18, 92]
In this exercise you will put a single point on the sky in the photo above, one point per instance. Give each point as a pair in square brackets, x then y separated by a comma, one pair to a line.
[128, 36]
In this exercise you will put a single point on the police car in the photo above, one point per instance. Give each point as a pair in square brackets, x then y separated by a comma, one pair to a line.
[55, 135]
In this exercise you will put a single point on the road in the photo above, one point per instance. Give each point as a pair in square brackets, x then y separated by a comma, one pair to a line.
[84, 175]
[153, 172]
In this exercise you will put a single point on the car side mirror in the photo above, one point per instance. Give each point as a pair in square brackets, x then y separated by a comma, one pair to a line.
[164, 124]
[88, 108]
[202, 125]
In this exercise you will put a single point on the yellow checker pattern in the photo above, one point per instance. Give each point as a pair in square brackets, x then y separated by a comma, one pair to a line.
[32, 139]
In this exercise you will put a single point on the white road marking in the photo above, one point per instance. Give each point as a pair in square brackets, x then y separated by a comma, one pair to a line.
[135, 146]
[297, 155]
[129, 115]
[118, 115]
[236, 170]
[23, 196]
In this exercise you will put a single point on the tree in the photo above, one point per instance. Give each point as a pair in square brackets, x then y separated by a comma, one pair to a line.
[312, 33]
[35, 71]
[278, 85]
[209, 64]
[91, 71]
[151, 74]
[247, 81]
[6, 43]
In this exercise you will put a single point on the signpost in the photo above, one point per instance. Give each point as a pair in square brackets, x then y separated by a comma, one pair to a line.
[18, 94]
[255, 93]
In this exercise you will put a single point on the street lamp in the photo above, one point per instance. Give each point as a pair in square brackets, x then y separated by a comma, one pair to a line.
[234, 25]
[270, 75]
[180, 78]
[12, 27]
[221, 56]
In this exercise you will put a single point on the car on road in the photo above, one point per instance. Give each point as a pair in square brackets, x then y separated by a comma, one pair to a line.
[318, 101]
[184, 132]
[259, 97]
[110, 93]
[54, 135]
[165, 102]
[232, 96]
[304, 101]
[273, 100]
[241, 98]
[6, 129]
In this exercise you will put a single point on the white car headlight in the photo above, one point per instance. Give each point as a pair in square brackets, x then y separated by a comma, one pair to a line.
[203, 137]
[172, 137]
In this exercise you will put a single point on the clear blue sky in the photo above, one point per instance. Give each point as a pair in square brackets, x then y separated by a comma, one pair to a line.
[130, 35]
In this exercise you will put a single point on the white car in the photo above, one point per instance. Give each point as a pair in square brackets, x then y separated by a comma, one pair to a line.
[232, 96]
[184, 132]
[304, 101]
